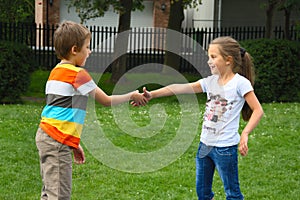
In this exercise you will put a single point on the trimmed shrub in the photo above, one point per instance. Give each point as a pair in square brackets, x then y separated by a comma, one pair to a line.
[16, 65]
[277, 68]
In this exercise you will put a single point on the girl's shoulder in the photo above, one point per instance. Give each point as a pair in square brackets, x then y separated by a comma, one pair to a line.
[210, 77]
[243, 84]
[240, 78]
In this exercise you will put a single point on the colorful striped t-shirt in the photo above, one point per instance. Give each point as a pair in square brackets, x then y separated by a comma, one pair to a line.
[67, 91]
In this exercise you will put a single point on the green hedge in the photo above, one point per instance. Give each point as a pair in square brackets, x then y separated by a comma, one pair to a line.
[16, 65]
[277, 67]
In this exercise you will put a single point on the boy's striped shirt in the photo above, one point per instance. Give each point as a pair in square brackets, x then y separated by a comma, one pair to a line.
[67, 91]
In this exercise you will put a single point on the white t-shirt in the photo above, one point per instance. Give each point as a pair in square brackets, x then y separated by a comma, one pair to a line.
[223, 107]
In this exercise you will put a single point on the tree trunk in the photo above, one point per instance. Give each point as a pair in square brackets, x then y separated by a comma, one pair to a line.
[121, 44]
[269, 20]
[287, 16]
[173, 41]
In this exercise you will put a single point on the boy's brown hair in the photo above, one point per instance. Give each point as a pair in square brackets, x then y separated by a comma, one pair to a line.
[67, 35]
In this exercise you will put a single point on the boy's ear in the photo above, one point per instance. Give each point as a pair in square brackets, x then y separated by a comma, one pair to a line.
[74, 50]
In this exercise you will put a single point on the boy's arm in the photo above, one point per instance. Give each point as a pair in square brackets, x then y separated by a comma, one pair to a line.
[79, 156]
[106, 100]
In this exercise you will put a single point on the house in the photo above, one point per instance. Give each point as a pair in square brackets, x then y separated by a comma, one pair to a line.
[211, 13]
[155, 14]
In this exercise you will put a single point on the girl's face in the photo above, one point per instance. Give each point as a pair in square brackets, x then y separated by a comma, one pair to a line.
[84, 53]
[216, 61]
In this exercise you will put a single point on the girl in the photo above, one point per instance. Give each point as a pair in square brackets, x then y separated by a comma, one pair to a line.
[229, 92]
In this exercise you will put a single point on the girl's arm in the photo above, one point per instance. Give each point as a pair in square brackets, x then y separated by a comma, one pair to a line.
[257, 114]
[106, 100]
[174, 89]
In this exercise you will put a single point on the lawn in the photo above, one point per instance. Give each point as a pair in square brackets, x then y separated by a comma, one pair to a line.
[270, 171]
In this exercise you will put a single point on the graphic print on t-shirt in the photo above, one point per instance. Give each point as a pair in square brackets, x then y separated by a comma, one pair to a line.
[216, 107]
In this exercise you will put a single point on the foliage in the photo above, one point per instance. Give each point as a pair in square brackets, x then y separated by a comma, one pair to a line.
[297, 27]
[277, 65]
[38, 80]
[190, 3]
[289, 4]
[87, 9]
[17, 11]
[16, 64]
[91, 9]
[281, 5]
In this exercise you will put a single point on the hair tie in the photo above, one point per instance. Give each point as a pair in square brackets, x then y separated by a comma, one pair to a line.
[242, 51]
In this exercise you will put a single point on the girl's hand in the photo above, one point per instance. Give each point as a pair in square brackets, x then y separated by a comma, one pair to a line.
[146, 93]
[79, 157]
[138, 99]
[146, 97]
[243, 146]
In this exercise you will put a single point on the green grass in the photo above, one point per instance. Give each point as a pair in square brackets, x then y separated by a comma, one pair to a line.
[270, 171]
[37, 84]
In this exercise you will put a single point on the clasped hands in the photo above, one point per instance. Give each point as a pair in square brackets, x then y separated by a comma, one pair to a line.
[140, 99]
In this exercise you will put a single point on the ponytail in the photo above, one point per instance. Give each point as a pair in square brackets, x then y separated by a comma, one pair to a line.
[247, 70]
[247, 67]
[242, 63]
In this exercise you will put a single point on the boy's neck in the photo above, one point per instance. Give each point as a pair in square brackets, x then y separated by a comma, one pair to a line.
[65, 61]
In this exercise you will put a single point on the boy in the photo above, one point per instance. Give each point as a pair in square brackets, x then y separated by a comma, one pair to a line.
[67, 91]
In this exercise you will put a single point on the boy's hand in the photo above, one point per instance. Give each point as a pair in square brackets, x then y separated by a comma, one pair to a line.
[146, 94]
[138, 99]
[79, 157]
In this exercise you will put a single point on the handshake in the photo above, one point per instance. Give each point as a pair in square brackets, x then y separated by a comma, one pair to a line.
[140, 99]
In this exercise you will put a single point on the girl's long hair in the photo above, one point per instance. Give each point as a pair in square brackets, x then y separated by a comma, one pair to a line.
[242, 64]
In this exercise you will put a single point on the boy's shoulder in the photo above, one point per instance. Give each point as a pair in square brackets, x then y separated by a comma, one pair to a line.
[69, 66]
[68, 73]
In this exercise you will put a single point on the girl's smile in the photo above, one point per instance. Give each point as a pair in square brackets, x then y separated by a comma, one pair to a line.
[212, 66]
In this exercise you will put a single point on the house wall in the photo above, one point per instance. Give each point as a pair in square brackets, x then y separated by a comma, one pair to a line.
[203, 16]
[155, 14]
[208, 14]
[138, 18]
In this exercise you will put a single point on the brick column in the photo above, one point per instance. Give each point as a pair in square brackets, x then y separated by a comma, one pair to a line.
[47, 12]
[161, 11]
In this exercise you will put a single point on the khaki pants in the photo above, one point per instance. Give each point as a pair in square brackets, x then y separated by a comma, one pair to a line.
[56, 167]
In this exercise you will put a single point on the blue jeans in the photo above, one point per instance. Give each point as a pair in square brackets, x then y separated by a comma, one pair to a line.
[225, 160]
